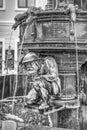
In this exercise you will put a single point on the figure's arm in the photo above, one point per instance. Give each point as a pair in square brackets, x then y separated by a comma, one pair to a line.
[49, 77]
[67, 9]
[52, 69]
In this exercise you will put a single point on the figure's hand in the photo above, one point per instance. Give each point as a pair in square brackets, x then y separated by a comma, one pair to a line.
[83, 98]
[47, 77]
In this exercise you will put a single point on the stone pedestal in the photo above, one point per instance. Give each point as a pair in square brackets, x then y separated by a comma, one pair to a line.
[9, 125]
[42, 128]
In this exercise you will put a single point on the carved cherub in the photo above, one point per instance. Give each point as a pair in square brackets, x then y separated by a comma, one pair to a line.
[72, 9]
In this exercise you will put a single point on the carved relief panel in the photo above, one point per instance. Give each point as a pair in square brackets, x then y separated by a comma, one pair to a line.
[55, 30]
[81, 30]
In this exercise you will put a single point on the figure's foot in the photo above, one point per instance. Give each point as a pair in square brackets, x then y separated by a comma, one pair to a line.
[30, 102]
[55, 97]
[72, 32]
[44, 105]
[52, 98]
[33, 102]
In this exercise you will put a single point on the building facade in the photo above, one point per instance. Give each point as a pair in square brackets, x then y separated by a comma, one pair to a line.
[9, 41]
[8, 10]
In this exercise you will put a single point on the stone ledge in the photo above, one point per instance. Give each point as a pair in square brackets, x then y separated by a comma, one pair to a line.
[37, 127]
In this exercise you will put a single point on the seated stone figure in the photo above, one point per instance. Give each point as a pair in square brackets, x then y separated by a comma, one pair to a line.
[45, 80]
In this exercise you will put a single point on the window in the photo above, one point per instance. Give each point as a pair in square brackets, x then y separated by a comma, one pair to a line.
[2, 4]
[24, 4]
[84, 5]
[2, 43]
[9, 58]
[42, 3]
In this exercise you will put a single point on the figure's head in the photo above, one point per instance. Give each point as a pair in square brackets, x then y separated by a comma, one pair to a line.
[31, 62]
[76, 7]
[31, 10]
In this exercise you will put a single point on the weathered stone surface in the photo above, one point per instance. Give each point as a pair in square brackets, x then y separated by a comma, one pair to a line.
[68, 119]
[42, 128]
[53, 39]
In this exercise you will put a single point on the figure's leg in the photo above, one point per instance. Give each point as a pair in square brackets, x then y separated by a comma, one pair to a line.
[45, 98]
[31, 97]
[72, 28]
